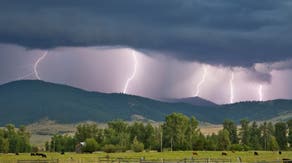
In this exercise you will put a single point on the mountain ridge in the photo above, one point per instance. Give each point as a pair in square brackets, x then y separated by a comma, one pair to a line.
[27, 101]
[197, 101]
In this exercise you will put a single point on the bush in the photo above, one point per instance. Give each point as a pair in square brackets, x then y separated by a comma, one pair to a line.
[90, 145]
[137, 146]
[120, 148]
[109, 148]
[246, 147]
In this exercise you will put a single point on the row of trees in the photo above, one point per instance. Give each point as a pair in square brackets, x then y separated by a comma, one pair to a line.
[265, 136]
[178, 132]
[14, 140]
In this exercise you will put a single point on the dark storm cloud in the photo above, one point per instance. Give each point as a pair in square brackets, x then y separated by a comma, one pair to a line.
[230, 32]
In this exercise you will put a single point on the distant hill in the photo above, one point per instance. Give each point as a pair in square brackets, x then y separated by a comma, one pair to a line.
[197, 101]
[27, 101]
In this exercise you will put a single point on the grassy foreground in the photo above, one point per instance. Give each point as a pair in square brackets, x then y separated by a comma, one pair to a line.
[266, 156]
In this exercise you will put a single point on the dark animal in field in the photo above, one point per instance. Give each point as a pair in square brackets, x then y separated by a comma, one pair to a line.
[286, 160]
[280, 152]
[39, 154]
[16, 153]
[44, 155]
[224, 153]
[195, 154]
[256, 153]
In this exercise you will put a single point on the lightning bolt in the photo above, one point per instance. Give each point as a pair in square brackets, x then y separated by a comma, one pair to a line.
[231, 88]
[25, 76]
[37, 63]
[202, 81]
[260, 91]
[133, 74]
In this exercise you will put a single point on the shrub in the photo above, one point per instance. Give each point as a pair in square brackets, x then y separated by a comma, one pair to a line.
[109, 148]
[137, 146]
[120, 148]
[237, 147]
[90, 145]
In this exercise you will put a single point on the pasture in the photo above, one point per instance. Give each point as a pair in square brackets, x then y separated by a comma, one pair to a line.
[184, 156]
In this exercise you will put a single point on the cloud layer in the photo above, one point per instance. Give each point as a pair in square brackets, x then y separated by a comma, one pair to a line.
[107, 70]
[233, 33]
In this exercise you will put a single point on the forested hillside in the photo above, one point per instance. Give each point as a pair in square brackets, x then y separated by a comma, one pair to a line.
[27, 101]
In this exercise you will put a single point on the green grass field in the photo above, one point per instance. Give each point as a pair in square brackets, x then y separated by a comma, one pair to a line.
[263, 156]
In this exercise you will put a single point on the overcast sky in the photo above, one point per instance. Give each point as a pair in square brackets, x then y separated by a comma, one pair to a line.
[90, 45]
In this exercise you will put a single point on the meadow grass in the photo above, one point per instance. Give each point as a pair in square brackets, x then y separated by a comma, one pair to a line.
[264, 156]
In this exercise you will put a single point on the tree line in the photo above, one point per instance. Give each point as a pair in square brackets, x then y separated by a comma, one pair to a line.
[178, 132]
[14, 140]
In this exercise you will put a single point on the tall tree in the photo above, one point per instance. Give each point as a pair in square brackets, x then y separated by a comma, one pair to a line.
[85, 131]
[199, 142]
[175, 131]
[149, 136]
[192, 132]
[289, 124]
[118, 133]
[272, 143]
[231, 127]
[4, 145]
[137, 130]
[267, 133]
[211, 142]
[244, 132]
[223, 140]
[255, 135]
[281, 135]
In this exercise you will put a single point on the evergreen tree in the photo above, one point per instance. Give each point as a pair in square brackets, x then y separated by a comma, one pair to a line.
[231, 127]
[244, 132]
[281, 135]
[255, 135]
